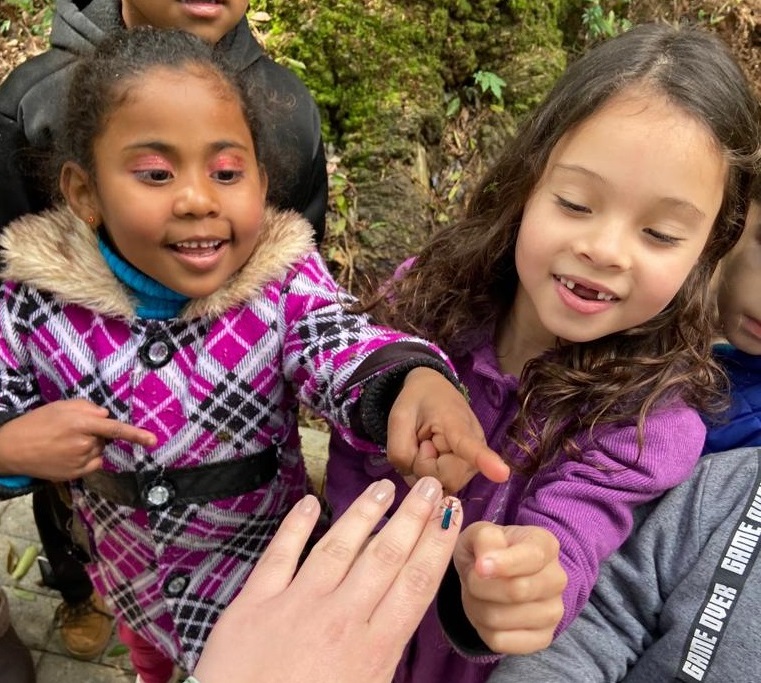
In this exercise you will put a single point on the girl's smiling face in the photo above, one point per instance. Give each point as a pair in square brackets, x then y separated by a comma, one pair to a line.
[177, 185]
[617, 221]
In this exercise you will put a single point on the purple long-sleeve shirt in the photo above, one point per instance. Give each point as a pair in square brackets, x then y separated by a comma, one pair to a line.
[587, 504]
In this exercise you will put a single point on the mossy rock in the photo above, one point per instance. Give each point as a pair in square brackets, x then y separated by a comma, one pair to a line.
[381, 73]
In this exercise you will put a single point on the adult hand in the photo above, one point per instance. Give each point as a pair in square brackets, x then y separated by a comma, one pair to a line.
[512, 585]
[348, 613]
[433, 432]
[62, 440]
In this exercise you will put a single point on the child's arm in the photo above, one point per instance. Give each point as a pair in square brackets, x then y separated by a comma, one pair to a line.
[60, 440]
[433, 432]
[641, 613]
[352, 372]
[12, 485]
[588, 505]
[417, 408]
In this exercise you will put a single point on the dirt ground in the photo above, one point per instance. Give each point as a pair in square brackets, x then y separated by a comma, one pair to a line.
[19, 40]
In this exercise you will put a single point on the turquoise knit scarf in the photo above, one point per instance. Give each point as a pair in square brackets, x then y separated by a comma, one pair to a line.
[155, 301]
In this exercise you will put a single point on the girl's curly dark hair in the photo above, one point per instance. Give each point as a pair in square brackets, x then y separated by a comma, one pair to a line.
[104, 78]
[465, 278]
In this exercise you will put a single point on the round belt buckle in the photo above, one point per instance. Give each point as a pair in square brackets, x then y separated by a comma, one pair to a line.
[158, 494]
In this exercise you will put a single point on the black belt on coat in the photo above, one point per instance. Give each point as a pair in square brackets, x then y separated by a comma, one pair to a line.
[200, 484]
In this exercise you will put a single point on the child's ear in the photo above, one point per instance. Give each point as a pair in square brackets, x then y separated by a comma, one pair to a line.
[78, 189]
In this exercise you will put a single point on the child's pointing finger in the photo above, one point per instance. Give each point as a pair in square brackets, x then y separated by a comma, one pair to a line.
[116, 430]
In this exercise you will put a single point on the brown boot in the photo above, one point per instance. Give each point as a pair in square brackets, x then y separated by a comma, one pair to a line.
[15, 659]
[85, 627]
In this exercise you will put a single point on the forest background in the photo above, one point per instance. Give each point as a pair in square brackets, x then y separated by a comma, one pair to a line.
[418, 97]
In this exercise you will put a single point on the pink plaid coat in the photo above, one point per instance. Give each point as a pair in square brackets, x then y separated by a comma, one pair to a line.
[221, 381]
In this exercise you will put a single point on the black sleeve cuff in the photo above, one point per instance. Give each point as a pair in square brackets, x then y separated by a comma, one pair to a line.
[8, 415]
[452, 617]
[380, 392]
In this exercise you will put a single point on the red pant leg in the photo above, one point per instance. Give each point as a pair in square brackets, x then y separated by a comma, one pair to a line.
[152, 665]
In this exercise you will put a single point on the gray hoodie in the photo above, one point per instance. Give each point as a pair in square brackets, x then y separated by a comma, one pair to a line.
[680, 600]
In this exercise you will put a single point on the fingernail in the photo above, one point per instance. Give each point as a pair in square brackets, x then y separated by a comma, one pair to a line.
[381, 490]
[427, 487]
[488, 567]
[307, 504]
[450, 508]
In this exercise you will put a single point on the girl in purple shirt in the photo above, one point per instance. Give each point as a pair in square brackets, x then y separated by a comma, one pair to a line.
[573, 300]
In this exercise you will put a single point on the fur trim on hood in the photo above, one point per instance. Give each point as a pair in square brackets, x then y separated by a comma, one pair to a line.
[57, 252]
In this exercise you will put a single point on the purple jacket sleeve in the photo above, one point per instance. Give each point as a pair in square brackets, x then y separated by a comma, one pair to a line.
[589, 505]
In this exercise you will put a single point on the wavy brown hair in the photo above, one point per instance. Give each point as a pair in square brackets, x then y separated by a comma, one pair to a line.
[465, 278]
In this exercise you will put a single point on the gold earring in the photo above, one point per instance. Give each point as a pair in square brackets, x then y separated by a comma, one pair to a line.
[91, 220]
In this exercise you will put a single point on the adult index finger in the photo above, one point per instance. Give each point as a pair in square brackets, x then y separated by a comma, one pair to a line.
[333, 555]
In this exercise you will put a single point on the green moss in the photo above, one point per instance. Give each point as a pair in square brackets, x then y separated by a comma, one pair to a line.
[379, 70]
